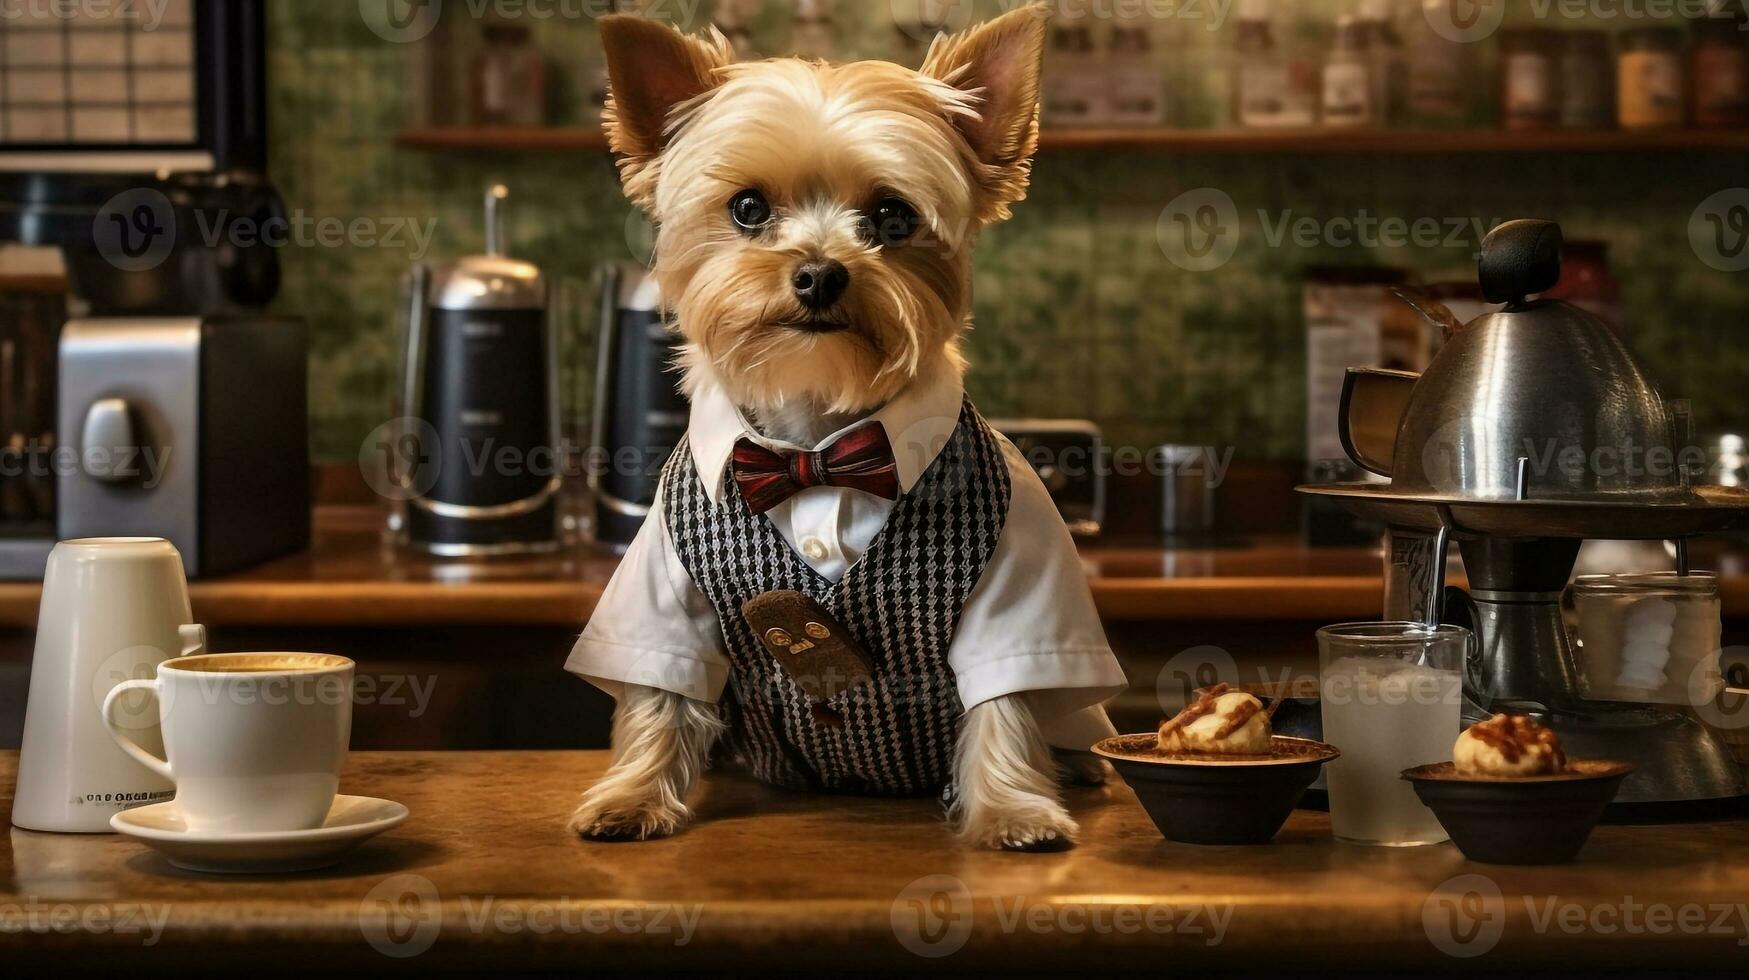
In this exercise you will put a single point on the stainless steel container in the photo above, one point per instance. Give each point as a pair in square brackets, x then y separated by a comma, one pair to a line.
[480, 392]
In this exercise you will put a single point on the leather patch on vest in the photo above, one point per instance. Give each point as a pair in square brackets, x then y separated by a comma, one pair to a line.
[809, 645]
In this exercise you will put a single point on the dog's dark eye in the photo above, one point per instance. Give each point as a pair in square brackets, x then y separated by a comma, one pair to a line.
[750, 210]
[891, 222]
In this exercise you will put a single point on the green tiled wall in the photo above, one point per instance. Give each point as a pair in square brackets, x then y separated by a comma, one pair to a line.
[1079, 312]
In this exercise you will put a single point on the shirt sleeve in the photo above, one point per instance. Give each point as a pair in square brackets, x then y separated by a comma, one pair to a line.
[653, 627]
[1030, 625]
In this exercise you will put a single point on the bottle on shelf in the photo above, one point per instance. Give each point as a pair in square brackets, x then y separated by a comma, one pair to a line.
[1587, 80]
[509, 78]
[1530, 80]
[812, 34]
[1719, 67]
[1264, 93]
[1072, 87]
[1388, 59]
[1135, 86]
[1438, 71]
[1653, 91]
[1348, 83]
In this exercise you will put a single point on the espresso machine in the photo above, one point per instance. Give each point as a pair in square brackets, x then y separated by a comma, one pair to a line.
[145, 388]
[1519, 443]
[477, 469]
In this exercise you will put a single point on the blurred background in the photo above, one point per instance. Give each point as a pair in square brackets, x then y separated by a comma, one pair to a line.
[1088, 304]
[309, 244]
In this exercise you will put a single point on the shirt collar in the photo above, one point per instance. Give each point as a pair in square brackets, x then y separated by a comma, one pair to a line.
[918, 423]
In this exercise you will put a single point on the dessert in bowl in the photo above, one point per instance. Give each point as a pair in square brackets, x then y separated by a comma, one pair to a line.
[1216, 773]
[1510, 795]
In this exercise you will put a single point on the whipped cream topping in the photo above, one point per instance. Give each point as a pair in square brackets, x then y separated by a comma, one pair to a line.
[1221, 721]
[1508, 745]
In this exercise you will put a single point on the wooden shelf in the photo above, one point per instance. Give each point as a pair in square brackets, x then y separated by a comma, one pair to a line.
[518, 139]
[541, 139]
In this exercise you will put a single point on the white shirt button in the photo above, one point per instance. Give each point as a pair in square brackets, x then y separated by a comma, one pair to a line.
[814, 549]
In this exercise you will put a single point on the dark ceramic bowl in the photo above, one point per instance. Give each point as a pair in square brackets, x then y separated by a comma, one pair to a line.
[1210, 799]
[1522, 820]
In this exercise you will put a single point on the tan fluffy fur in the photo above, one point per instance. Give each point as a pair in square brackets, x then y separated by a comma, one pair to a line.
[823, 143]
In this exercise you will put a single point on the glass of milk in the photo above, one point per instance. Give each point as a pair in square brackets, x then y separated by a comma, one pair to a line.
[1391, 695]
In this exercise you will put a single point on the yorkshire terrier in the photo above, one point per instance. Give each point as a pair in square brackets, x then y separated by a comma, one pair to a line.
[814, 225]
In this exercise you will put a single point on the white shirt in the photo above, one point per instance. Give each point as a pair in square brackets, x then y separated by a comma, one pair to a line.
[1029, 625]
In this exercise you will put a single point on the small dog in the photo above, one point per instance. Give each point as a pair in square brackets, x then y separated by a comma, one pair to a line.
[813, 247]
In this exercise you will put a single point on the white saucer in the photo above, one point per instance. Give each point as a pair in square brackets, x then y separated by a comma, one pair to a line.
[352, 821]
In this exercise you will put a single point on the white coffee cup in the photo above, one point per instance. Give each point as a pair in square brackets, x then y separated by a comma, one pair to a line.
[253, 741]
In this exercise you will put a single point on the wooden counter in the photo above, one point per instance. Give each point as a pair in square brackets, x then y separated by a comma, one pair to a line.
[484, 875]
[350, 579]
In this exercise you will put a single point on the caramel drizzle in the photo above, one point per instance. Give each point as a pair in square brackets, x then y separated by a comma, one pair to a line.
[1514, 735]
[1205, 705]
[1242, 714]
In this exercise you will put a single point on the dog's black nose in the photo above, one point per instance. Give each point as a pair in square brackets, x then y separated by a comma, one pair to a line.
[820, 284]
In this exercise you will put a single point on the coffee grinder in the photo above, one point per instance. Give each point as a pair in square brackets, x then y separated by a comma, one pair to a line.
[476, 463]
[1516, 444]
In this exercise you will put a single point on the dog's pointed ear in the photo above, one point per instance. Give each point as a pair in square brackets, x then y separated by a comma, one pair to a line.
[651, 69]
[998, 64]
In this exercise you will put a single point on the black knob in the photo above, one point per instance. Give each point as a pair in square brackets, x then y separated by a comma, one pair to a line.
[1520, 258]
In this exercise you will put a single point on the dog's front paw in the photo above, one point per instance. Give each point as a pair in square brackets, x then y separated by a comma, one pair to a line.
[1046, 827]
[608, 819]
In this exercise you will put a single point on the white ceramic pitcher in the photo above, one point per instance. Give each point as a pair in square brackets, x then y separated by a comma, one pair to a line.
[112, 610]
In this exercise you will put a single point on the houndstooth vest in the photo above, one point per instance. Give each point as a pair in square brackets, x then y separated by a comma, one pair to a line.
[901, 601]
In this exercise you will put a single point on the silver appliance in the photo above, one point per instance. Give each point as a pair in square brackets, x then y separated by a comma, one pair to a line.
[480, 394]
[193, 429]
[1069, 457]
[1512, 444]
[640, 413]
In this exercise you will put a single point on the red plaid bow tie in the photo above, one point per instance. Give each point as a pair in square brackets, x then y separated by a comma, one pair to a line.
[860, 460]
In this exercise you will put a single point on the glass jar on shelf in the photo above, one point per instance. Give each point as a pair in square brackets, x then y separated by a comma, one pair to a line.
[1719, 68]
[1530, 80]
[509, 79]
[1072, 95]
[1587, 80]
[1439, 71]
[1651, 88]
[1135, 87]
[1349, 92]
[1265, 92]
